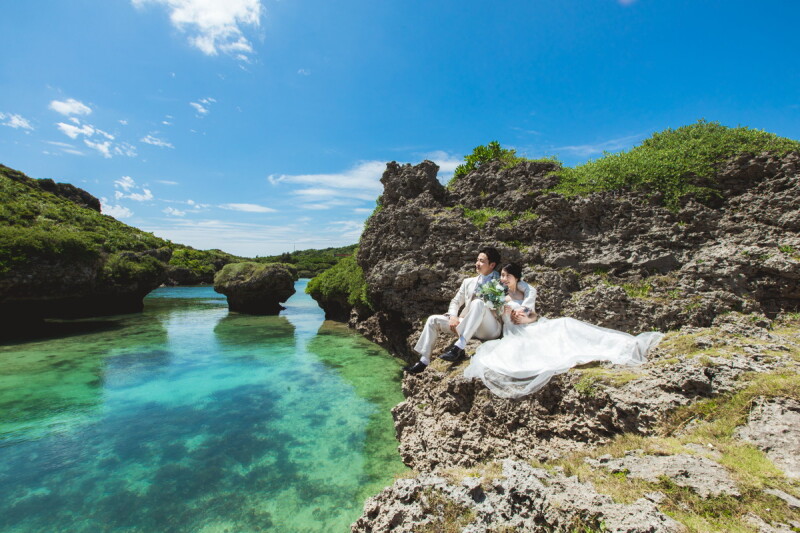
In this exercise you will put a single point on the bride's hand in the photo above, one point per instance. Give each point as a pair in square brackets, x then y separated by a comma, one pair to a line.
[521, 317]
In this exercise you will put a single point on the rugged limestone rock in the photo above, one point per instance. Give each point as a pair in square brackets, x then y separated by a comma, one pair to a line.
[517, 497]
[716, 271]
[61, 258]
[700, 474]
[448, 420]
[616, 259]
[774, 426]
[255, 288]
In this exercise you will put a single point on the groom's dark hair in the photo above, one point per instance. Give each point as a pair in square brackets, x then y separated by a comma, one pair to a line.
[491, 254]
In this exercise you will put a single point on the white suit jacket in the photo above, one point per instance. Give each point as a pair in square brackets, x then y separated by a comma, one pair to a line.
[467, 290]
[465, 293]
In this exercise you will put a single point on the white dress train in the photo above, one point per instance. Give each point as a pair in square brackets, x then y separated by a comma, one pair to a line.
[528, 355]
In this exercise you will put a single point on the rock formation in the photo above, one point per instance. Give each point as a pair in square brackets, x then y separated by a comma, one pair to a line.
[61, 258]
[718, 273]
[255, 288]
[617, 259]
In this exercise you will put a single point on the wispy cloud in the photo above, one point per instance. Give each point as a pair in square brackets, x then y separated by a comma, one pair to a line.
[15, 121]
[361, 182]
[447, 163]
[93, 138]
[116, 211]
[73, 132]
[304, 72]
[64, 147]
[612, 145]
[70, 107]
[248, 208]
[155, 141]
[202, 105]
[125, 149]
[103, 147]
[249, 239]
[125, 187]
[213, 26]
[125, 183]
[167, 182]
[171, 211]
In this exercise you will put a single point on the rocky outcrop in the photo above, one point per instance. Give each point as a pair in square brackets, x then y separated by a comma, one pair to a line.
[713, 273]
[774, 426]
[448, 420]
[255, 288]
[617, 259]
[700, 474]
[61, 258]
[509, 496]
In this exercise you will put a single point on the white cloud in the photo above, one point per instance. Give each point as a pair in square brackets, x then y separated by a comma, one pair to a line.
[70, 107]
[447, 163]
[304, 72]
[167, 182]
[123, 122]
[91, 134]
[73, 131]
[202, 105]
[362, 210]
[199, 108]
[250, 240]
[125, 182]
[125, 149]
[103, 147]
[116, 211]
[613, 145]
[145, 195]
[155, 141]
[248, 208]
[15, 121]
[65, 147]
[174, 212]
[213, 26]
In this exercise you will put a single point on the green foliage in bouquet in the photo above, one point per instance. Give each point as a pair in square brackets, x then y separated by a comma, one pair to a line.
[494, 293]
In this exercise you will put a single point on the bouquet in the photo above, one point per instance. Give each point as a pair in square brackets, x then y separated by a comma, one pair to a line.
[494, 293]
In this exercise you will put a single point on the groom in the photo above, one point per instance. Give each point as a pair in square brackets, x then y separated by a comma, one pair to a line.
[476, 319]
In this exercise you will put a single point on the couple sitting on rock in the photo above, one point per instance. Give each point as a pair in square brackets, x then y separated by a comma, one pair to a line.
[531, 351]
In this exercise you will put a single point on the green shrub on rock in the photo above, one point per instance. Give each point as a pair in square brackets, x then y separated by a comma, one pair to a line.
[344, 281]
[674, 162]
[484, 154]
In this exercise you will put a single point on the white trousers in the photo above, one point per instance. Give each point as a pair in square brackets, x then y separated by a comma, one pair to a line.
[479, 322]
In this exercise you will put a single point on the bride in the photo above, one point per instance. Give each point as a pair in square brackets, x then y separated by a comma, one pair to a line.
[532, 351]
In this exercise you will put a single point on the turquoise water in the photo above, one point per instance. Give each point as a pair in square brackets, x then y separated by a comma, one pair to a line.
[188, 418]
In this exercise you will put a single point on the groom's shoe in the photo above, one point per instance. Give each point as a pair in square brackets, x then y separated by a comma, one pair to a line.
[453, 354]
[416, 368]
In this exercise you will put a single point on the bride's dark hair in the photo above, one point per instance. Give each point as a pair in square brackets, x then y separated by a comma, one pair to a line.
[513, 269]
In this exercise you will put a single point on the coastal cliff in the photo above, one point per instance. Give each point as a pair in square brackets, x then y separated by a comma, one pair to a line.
[710, 256]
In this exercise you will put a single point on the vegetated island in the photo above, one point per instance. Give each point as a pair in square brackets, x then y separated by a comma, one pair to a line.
[60, 257]
[695, 232]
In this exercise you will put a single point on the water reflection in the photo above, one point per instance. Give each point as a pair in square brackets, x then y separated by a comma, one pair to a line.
[190, 418]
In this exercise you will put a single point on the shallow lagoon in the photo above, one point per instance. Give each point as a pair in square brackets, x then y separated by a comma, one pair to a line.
[188, 418]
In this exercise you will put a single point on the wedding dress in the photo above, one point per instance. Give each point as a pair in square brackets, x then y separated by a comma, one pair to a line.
[528, 355]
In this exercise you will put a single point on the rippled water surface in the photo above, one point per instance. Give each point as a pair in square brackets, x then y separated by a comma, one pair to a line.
[188, 418]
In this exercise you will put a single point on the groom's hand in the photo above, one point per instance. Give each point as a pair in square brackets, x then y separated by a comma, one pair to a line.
[454, 321]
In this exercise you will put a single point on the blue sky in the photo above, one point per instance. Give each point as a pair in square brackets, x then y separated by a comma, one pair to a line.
[261, 126]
